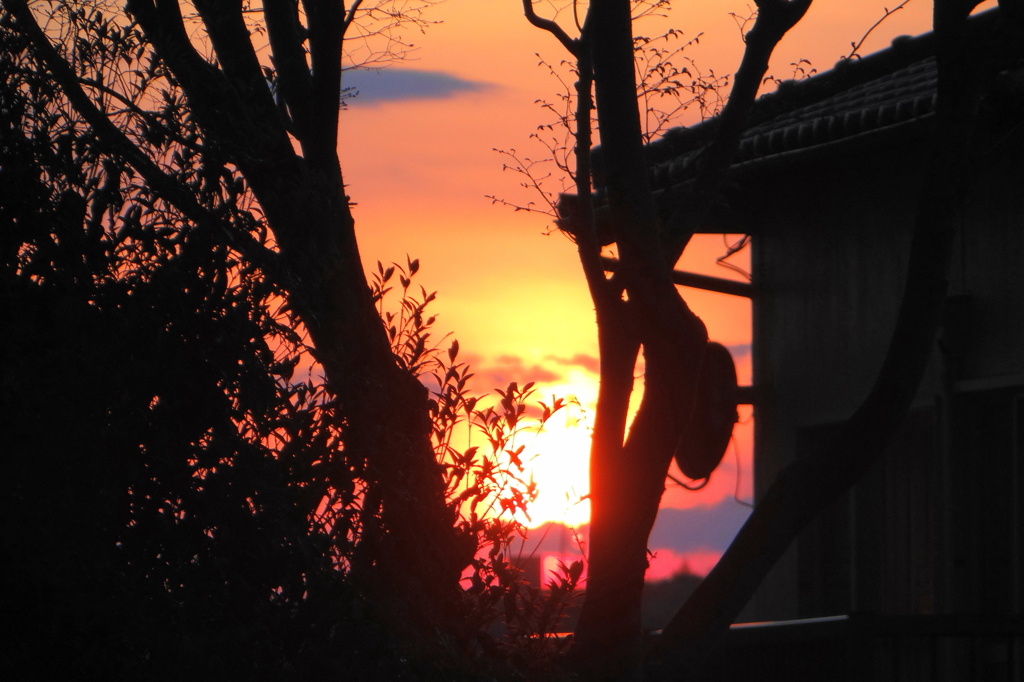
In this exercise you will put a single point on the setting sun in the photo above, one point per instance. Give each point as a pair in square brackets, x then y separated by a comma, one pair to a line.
[558, 466]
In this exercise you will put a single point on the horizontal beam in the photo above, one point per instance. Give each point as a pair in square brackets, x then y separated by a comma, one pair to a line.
[692, 279]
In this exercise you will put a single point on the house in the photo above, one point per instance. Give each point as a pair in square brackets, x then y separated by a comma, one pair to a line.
[927, 551]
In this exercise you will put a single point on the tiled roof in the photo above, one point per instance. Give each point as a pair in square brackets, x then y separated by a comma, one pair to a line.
[901, 97]
[885, 91]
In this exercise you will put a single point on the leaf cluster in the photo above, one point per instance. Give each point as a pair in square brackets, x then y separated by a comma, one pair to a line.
[486, 488]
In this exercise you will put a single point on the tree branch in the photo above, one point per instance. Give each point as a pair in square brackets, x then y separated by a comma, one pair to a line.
[134, 108]
[587, 244]
[165, 30]
[352, 16]
[239, 115]
[237, 57]
[116, 142]
[888, 12]
[293, 79]
[573, 46]
[326, 22]
[774, 19]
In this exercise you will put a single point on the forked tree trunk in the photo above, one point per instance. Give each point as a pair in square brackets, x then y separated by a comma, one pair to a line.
[628, 472]
[416, 553]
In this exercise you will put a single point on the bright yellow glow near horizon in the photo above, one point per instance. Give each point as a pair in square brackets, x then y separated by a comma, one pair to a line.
[559, 468]
[557, 355]
[559, 456]
[419, 170]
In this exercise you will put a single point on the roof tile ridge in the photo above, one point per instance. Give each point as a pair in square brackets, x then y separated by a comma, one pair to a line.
[905, 53]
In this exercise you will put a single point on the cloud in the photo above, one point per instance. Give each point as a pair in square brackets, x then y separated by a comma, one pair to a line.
[739, 350]
[698, 528]
[551, 537]
[707, 529]
[509, 368]
[696, 537]
[587, 362]
[666, 563]
[390, 85]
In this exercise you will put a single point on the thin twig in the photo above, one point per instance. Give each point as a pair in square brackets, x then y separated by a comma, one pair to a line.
[888, 12]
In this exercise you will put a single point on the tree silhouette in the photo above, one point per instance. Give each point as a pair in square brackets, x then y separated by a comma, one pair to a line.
[220, 439]
[164, 467]
[270, 130]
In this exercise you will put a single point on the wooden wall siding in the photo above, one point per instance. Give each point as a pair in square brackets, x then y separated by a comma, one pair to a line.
[984, 504]
[909, 550]
[989, 266]
[876, 549]
[937, 528]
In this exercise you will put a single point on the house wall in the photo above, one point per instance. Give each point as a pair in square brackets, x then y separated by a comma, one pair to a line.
[942, 510]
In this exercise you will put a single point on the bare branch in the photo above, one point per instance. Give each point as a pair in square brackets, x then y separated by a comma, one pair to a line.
[888, 13]
[371, 31]
[774, 19]
[351, 17]
[573, 46]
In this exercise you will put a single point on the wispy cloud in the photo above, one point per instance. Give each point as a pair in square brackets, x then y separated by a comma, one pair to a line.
[739, 350]
[509, 368]
[691, 540]
[587, 362]
[389, 85]
[698, 528]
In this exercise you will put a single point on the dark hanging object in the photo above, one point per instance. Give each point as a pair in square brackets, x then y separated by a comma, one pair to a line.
[701, 449]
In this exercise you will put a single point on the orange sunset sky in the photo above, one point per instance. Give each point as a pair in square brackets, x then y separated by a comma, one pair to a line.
[417, 152]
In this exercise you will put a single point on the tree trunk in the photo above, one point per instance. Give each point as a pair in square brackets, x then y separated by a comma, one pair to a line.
[627, 479]
[420, 556]
[383, 409]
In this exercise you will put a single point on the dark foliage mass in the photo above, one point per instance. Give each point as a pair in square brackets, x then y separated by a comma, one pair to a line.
[178, 500]
[165, 510]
